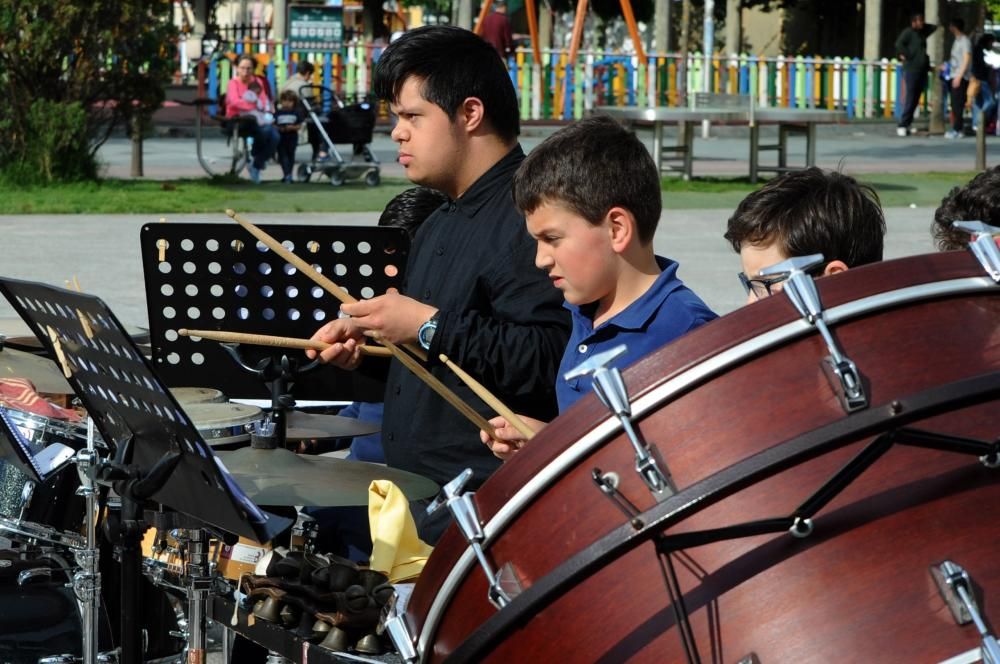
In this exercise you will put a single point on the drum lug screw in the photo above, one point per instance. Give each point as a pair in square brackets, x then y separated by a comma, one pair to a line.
[801, 528]
[895, 408]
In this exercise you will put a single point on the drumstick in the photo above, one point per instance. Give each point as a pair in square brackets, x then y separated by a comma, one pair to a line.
[407, 361]
[307, 269]
[439, 387]
[489, 399]
[277, 342]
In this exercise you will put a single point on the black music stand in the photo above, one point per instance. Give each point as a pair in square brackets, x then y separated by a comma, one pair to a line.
[136, 415]
[219, 277]
[159, 454]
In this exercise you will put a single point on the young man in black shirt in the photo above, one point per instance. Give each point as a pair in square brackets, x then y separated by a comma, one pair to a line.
[472, 291]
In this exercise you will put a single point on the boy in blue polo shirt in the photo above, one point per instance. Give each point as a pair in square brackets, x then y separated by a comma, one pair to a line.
[591, 197]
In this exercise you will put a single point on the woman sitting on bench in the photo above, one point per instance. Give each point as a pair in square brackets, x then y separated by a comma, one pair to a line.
[244, 103]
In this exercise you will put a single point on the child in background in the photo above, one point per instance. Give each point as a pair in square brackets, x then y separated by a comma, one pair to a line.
[288, 120]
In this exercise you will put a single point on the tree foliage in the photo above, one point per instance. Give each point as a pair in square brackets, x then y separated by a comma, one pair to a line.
[71, 73]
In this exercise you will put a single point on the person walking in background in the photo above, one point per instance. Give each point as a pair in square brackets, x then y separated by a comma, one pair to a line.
[984, 97]
[496, 30]
[912, 48]
[959, 69]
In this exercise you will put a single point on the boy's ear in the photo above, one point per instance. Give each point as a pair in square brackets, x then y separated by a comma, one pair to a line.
[834, 267]
[621, 228]
[471, 114]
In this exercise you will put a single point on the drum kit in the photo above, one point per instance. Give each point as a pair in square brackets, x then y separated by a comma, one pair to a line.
[55, 606]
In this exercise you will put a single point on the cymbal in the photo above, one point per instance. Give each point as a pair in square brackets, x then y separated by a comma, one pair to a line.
[310, 426]
[19, 336]
[43, 372]
[280, 477]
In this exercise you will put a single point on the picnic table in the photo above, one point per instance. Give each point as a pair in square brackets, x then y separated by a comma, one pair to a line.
[790, 121]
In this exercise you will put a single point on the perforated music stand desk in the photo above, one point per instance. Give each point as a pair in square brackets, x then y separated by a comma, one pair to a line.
[219, 277]
[127, 400]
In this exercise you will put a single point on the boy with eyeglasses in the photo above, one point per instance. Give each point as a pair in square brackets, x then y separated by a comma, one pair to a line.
[801, 213]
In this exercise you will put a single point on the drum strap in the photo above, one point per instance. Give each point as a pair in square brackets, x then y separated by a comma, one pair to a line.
[650, 524]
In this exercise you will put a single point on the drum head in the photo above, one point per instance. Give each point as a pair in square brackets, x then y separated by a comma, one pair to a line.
[186, 395]
[223, 423]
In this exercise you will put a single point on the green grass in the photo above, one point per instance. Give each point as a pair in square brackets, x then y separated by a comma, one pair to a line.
[196, 195]
[215, 194]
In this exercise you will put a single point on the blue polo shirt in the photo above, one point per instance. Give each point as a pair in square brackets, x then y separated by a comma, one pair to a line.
[664, 312]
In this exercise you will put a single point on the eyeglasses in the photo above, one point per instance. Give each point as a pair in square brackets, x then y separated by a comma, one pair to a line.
[761, 286]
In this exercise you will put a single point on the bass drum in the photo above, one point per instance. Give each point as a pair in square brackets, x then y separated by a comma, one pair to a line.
[39, 616]
[746, 420]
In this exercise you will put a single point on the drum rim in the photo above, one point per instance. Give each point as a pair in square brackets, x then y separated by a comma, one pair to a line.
[53, 424]
[47, 534]
[684, 380]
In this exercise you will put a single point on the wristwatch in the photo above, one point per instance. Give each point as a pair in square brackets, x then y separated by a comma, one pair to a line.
[426, 332]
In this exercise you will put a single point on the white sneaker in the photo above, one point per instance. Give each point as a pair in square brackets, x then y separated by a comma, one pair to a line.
[952, 134]
[902, 131]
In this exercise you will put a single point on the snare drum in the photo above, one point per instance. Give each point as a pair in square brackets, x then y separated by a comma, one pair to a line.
[47, 512]
[798, 531]
[223, 425]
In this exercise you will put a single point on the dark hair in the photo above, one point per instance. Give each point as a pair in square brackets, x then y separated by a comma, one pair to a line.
[915, 15]
[979, 200]
[592, 166]
[305, 68]
[409, 209]
[248, 57]
[254, 86]
[454, 64]
[985, 41]
[958, 22]
[812, 212]
[289, 95]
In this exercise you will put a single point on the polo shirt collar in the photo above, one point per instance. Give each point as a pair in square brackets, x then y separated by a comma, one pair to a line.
[485, 187]
[637, 315]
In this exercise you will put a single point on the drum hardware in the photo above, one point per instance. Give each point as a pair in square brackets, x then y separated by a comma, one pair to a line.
[87, 580]
[608, 483]
[840, 371]
[610, 389]
[695, 498]
[983, 245]
[279, 374]
[502, 586]
[394, 624]
[956, 589]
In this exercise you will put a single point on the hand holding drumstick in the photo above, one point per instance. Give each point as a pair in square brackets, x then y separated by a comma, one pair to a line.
[506, 438]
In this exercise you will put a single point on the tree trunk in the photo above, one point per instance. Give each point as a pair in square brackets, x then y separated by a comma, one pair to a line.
[544, 26]
[661, 27]
[685, 46]
[135, 129]
[935, 48]
[465, 14]
[734, 27]
[873, 29]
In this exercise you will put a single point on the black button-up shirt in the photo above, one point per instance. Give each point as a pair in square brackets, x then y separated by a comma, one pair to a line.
[499, 318]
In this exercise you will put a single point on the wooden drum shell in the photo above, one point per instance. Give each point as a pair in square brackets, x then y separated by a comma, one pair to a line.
[858, 589]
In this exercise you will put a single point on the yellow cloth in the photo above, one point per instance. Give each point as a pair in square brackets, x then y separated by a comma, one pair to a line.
[396, 549]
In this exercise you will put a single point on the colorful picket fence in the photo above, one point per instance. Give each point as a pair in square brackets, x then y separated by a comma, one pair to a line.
[555, 89]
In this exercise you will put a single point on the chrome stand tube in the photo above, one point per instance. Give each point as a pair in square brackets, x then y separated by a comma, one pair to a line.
[87, 580]
[199, 583]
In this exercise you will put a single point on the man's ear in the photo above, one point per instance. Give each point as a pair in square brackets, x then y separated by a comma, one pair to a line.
[834, 267]
[621, 228]
[472, 114]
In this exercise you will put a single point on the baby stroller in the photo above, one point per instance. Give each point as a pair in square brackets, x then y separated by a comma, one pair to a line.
[345, 124]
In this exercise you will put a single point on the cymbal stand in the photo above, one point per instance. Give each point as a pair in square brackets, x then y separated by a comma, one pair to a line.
[87, 580]
[199, 583]
[279, 373]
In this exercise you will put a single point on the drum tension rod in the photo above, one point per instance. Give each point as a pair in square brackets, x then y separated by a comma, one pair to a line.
[842, 373]
[466, 516]
[956, 589]
[608, 483]
[983, 245]
[610, 389]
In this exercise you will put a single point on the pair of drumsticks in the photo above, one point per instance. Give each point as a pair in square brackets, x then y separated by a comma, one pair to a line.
[388, 348]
